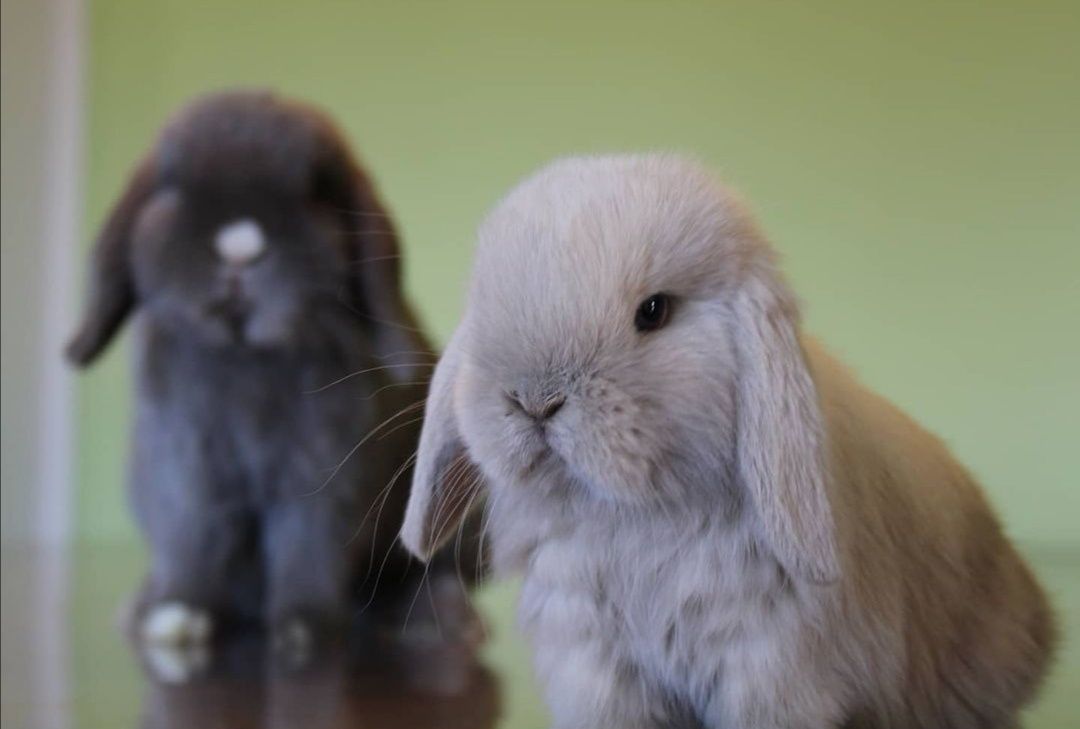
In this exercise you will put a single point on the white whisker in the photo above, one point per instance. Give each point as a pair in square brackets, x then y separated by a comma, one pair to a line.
[399, 426]
[363, 440]
[364, 372]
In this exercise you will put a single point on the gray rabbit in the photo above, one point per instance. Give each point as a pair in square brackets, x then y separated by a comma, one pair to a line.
[280, 375]
[716, 524]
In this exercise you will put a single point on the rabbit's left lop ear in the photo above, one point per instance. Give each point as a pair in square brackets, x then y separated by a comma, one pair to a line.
[445, 480]
[111, 289]
[374, 255]
[781, 437]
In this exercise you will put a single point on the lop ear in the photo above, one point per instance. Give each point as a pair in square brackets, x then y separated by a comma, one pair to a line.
[373, 253]
[110, 294]
[445, 481]
[781, 438]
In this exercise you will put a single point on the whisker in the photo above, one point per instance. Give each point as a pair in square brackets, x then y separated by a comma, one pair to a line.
[449, 486]
[457, 547]
[434, 613]
[475, 489]
[387, 322]
[363, 440]
[409, 462]
[364, 372]
[382, 492]
[450, 507]
[418, 352]
[423, 579]
[416, 383]
[399, 426]
[393, 542]
[485, 524]
[378, 578]
[344, 300]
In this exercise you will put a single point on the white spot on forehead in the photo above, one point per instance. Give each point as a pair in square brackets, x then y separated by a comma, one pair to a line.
[240, 242]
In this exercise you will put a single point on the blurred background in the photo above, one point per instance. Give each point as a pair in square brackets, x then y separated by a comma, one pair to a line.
[917, 164]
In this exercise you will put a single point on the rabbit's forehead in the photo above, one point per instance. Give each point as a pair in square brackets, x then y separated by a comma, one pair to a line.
[612, 220]
[562, 294]
[601, 252]
[563, 262]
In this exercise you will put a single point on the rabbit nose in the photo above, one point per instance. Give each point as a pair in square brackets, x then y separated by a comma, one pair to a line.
[539, 409]
[240, 242]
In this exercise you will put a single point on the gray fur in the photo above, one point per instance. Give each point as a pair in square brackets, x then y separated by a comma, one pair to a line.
[258, 467]
[720, 526]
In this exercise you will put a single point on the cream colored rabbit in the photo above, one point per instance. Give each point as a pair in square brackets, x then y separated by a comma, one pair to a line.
[716, 524]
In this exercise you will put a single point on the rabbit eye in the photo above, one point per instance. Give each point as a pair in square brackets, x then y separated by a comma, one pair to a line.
[653, 313]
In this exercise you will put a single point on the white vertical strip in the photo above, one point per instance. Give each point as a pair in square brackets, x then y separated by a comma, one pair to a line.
[49, 654]
[61, 208]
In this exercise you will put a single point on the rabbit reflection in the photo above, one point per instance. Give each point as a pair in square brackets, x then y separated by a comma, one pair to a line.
[377, 681]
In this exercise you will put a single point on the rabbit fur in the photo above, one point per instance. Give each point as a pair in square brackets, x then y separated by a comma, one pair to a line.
[716, 524]
[279, 371]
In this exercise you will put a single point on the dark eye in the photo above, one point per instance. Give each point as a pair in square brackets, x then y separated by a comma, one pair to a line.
[652, 313]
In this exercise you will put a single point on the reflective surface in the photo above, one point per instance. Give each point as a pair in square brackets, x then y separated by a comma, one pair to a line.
[378, 685]
[66, 665]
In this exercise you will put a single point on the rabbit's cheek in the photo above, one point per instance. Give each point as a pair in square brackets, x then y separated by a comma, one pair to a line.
[527, 453]
[489, 433]
[515, 453]
[607, 445]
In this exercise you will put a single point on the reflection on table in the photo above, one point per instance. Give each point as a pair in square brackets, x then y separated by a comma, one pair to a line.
[375, 681]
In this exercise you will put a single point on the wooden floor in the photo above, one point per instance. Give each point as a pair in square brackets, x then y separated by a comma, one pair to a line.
[65, 664]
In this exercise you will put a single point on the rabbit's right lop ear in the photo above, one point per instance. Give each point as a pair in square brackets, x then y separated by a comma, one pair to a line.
[445, 481]
[110, 293]
[781, 437]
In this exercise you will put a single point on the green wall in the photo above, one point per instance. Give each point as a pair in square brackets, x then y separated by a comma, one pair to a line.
[918, 165]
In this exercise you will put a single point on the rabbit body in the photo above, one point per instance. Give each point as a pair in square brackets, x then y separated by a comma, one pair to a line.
[716, 524]
[233, 475]
[682, 618]
[279, 372]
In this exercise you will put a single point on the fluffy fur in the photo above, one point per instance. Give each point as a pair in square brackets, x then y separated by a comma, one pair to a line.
[719, 527]
[272, 339]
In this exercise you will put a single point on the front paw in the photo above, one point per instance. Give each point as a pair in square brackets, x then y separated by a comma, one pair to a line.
[175, 624]
[293, 639]
[175, 664]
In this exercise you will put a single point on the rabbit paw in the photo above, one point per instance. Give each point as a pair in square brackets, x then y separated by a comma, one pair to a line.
[294, 640]
[175, 664]
[176, 624]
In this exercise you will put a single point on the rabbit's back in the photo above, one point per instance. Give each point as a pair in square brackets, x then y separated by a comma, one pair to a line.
[953, 620]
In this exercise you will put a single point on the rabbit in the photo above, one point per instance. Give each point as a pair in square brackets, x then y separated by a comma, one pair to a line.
[715, 523]
[279, 371]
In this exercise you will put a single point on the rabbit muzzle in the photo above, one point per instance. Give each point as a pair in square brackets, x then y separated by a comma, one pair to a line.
[233, 312]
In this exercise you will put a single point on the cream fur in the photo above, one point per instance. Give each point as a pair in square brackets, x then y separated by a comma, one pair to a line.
[720, 527]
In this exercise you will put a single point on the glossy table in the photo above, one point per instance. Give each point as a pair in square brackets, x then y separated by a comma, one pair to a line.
[65, 664]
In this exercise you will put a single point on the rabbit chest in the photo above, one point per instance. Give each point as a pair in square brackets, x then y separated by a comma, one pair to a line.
[255, 426]
[680, 605]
